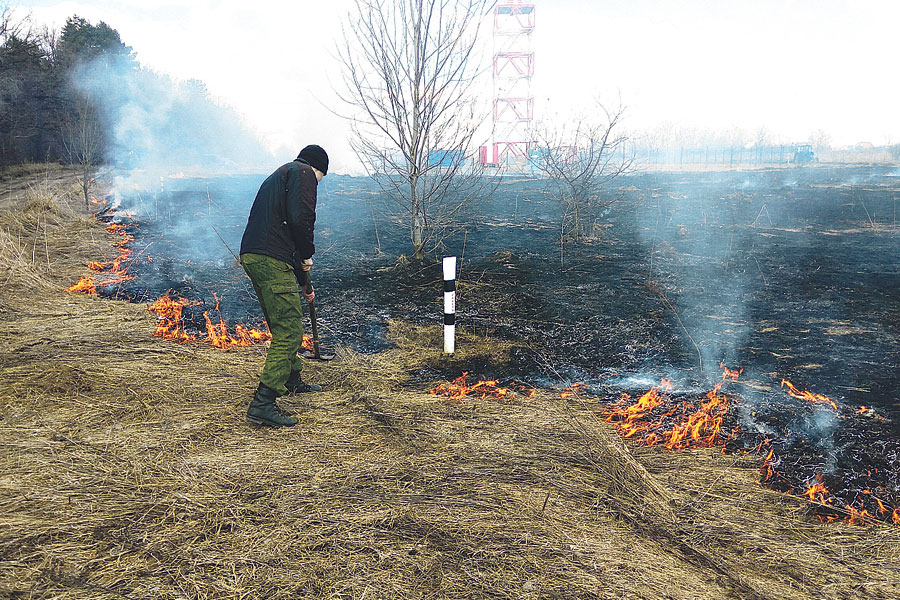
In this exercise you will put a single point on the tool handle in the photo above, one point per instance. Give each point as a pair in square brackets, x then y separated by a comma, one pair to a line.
[305, 282]
[315, 329]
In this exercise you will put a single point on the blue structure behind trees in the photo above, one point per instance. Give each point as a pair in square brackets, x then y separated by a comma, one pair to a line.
[446, 158]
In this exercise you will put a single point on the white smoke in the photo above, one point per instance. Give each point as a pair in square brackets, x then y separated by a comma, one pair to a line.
[160, 127]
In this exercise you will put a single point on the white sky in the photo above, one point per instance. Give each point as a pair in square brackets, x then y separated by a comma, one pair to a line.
[791, 66]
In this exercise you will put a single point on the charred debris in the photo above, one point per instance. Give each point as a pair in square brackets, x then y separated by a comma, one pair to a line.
[785, 277]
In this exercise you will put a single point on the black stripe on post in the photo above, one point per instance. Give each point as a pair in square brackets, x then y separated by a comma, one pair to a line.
[449, 265]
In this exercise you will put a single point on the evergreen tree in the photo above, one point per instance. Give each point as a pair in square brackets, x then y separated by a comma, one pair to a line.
[27, 101]
[81, 42]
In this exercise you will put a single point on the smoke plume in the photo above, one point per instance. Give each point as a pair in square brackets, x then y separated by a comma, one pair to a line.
[157, 126]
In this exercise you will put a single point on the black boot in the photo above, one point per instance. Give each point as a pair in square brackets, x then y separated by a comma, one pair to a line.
[263, 409]
[295, 385]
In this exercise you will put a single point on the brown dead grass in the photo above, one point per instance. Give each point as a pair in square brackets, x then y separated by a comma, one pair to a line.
[127, 470]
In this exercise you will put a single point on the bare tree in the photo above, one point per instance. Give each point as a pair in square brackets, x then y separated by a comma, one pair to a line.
[5, 21]
[9, 27]
[894, 150]
[82, 137]
[20, 65]
[736, 137]
[820, 140]
[408, 70]
[579, 160]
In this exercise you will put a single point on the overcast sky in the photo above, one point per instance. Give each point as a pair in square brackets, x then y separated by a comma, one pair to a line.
[791, 66]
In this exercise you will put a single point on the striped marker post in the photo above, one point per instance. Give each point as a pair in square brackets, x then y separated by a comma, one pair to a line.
[449, 304]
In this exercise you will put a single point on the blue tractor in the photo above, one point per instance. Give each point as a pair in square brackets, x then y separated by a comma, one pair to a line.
[804, 155]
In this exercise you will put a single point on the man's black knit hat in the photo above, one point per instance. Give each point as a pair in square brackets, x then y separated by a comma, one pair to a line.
[316, 157]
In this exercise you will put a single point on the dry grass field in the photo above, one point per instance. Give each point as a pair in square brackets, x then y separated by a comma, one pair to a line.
[127, 470]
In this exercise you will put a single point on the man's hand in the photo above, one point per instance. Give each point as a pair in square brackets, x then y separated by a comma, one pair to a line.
[306, 288]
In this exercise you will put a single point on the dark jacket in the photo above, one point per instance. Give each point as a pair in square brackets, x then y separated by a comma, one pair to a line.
[283, 215]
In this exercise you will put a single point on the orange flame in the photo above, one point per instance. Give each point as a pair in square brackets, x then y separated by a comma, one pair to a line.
[85, 285]
[859, 517]
[765, 442]
[731, 374]
[170, 323]
[766, 469]
[702, 428]
[170, 326]
[217, 333]
[459, 389]
[572, 391]
[307, 343]
[695, 428]
[110, 272]
[807, 395]
[630, 419]
[656, 419]
[817, 492]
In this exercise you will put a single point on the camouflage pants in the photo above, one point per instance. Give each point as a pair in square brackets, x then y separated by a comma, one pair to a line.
[279, 296]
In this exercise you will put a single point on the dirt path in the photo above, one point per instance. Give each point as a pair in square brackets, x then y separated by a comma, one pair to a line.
[15, 183]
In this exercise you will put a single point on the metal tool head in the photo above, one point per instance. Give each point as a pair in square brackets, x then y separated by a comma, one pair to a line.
[322, 356]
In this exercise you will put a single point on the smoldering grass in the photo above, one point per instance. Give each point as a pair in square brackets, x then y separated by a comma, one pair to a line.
[128, 470]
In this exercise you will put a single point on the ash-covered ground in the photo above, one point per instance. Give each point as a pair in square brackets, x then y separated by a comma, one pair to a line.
[787, 274]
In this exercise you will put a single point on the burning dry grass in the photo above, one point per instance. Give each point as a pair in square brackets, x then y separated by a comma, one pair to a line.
[128, 471]
[39, 229]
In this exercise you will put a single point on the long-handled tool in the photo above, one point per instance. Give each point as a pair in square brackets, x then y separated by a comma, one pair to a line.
[316, 354]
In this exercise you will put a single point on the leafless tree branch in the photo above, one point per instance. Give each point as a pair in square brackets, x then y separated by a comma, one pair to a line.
[408, 70]
[579, 159]
[82, 137]
[12, 27]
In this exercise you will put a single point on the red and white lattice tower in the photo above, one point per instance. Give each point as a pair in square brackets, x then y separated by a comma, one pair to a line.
[513, 110]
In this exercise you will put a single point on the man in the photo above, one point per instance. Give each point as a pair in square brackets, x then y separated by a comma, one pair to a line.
[276, 253]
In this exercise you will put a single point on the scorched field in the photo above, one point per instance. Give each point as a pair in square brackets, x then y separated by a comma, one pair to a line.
[697, 401]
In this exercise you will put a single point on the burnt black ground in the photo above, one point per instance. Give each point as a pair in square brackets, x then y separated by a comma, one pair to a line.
[788, 273]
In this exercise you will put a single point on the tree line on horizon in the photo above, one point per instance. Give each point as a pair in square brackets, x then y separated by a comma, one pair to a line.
[39, 103]
[71, 96]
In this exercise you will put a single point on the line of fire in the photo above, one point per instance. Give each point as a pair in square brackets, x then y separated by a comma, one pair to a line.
[746, 312]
